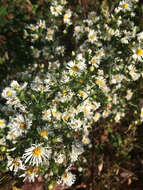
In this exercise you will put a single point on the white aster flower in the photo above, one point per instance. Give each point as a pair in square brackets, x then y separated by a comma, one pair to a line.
[14, 164]
[140, 36]
[92, 37]
[46, 115]
[125, 5]
[95, 61]
[30, 174]
[76, 124]
[85, 140]
[97, 116]
[59, 158]
[36, 154]
[2, 123]
[41, 24]
[20, 124]
[137, 53]
[133, 72]
[8, 93]
[56, 10]
[68, 179]
[36, 52]
[129, 94]
[14, 84]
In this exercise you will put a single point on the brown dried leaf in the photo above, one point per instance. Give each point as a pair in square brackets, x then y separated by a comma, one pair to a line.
[59, 187]
[32, 186]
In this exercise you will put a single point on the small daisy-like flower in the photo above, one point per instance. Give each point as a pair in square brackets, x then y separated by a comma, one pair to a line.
[11, 136]
[14, 84]
[47, 115]
[106, 113]
[140, 36]
[60, 50]
[95, 61]
[92, 37]
[20, 124]
[100, 53]
[129, 94]
[36, 52]
[45, 132]
[14, 164]
[68, 178]
[2, 123]
[133, 72]
[32, 27]
[76, 68]
[116, 79]
[50, 34]
[125, 5]
[36, 154]
[76, 124]
[34, 37]
[67, 16]
[85, 140]
[117, 117]
[30, 174]
[97, 116]
[8, 93]
[137, 53]
[42, 24]
[100, 81]
[92, 18]
[59, 158]
[56, 10]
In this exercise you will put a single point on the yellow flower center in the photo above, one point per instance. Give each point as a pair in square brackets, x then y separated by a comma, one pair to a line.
[42, 88]
[46, 114]
[29, 172]
[66, 117]
[11, 134]
[93, 18]
[63, 91]
[57, 9]
[85, 140]
[96, 115]
[94, 61]
[139, 52]
[1, 123]
[81, 93]
[65, 176]
[99, 53]
[37, 151]
[91, 37]
[75, 68]
[125, 5]
[85, 111]
[132, 71]
[116, 78]
[22, 125]
[100, 82]
[15, 163]
[65, 16]
[44, 133]
[8, 93]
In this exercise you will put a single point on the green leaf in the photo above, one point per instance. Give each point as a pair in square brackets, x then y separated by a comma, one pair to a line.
[3, 11]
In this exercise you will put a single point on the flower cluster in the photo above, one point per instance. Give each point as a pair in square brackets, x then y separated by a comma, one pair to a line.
[48, 117]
